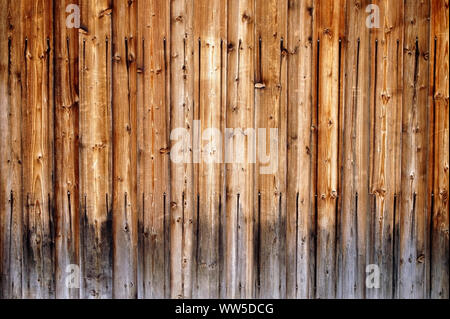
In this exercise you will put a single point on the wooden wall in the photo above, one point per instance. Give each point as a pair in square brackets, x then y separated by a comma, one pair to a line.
[87, 121]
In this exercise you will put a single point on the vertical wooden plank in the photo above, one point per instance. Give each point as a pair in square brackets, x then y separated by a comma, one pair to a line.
[222, 198]
[271, 111]
[124, 15]
[328, 20]
[239, 141]
[4, 178]
[210, 29]
[153, 143]
[386, 139]
[440, 138]
[11, 43]
[37, 147]
[354, 211]
[183, 197]
[95, 148]
[300, 188]
[413, 214]
[66, 149]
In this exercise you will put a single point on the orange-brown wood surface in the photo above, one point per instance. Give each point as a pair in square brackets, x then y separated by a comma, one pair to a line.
[37, 146]
[439, 210]
[153, 182]
[66, 149]
[224, 149]
[11, 200]
[270, 114]
[386, 141]
[96, 169]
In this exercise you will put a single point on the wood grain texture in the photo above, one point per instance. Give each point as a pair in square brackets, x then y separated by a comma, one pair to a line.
[66, 150]
[440, 180]
[300, 151]
[37, 149]
[183, 200]
[153, 145]
[96, 149]
[354, 211]
[270, 108]
[11, 236]
[413, 251]
[387, 115]
[329, 16]
[210, 30]
[125, 221]
[224, 149]
[240, 194]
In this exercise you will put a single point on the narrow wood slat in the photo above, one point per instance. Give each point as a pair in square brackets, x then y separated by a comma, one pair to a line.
[153, 155]
[209, 17]
[4, 178]
[270, 108]
[413, 214]
[66, 151]
[354, 210]
[300, 187]
[95, 149]
[11, 43]
[239, 141]
[37, 148]
[125, 231]
[183, 199]
[329, 15]
[386, 140]
[439, 76]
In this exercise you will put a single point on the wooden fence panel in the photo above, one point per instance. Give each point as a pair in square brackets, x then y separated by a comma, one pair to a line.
[224, 149]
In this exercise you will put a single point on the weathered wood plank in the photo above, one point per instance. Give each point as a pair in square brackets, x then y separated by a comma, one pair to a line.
[4, 135]
[413, 214]
[66, 150]
[354, 209]
[125, 231]
[440, 181]
[153, 139]
[95, 127]
[11, 43]
[209, 17]
[300, 188]
[270, 108]
[386, 139]
[183, 202]
[239, 141]
[329, 15]
[37, 148]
